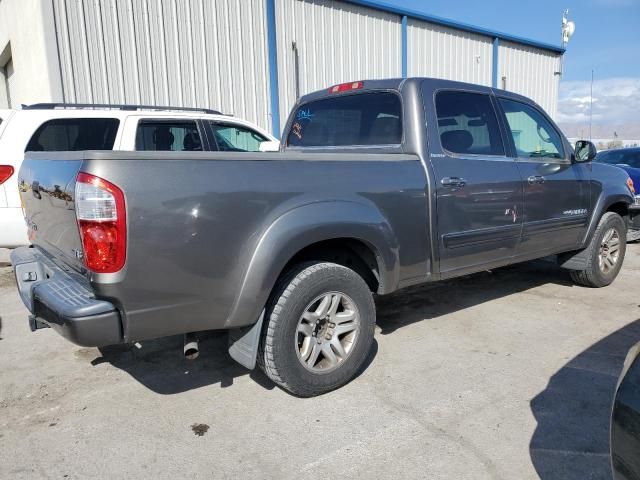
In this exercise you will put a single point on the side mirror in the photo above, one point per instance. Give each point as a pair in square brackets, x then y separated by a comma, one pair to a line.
[270, 146]
[585, 151]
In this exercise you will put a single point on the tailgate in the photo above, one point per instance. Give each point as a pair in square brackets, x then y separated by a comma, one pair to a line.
[46, 183]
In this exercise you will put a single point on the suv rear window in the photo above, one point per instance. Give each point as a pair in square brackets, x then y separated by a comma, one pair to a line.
[360, 119]
[66, 134]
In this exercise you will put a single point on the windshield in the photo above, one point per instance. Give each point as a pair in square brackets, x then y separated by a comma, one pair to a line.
[620, 157]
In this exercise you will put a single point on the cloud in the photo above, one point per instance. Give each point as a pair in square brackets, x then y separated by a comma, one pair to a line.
[616, 103]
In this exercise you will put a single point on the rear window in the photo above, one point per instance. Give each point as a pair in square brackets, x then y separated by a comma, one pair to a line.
[66, 134]
[361, 119]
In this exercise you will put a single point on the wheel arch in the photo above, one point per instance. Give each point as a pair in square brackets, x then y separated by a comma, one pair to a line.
[616, 202]
[349, 233]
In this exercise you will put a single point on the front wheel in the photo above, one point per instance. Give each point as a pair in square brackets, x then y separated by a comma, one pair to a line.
[605, 253]
[319, 329]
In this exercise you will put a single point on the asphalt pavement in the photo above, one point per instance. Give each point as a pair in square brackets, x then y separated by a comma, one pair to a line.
[502, 375]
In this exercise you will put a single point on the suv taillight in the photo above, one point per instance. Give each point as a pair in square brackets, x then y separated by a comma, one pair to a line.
[5, 173]
[101, 215]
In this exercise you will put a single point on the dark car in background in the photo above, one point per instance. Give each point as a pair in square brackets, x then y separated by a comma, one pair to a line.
[625, 421]
[629, 160]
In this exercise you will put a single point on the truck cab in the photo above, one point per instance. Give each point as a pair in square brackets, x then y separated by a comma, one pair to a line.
[505, 184]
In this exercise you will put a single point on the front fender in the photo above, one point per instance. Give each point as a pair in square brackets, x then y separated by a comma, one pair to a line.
[301, 227]
[605, 200]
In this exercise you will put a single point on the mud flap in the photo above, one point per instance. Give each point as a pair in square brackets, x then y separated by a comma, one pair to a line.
[244, 342]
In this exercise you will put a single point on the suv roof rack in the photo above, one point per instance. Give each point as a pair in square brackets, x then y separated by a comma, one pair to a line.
[52, 106]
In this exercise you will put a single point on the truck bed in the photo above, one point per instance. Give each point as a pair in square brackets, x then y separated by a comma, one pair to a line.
[197, 222]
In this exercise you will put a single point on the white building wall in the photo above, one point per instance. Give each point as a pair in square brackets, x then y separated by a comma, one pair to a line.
[27, 37]
[214, 53]
[442, 52]
[198, 53]
[531, 72]
[337, 42]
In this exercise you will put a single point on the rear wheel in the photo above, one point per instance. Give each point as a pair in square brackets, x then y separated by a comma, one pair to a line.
[605, 253]
[319, 329]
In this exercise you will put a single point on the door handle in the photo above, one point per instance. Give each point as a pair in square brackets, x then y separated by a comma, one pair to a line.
[535, 179]
[455, 182]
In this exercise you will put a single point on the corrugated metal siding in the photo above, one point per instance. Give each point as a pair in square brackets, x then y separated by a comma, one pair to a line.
[530, 72]
[442, 52]
[337, 42]
[166, 52]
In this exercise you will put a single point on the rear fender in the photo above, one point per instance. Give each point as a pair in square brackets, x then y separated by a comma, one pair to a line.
[301, 227]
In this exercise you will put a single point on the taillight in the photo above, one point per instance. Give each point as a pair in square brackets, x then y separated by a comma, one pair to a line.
[343, 87]
[100, 211]
[5, 173]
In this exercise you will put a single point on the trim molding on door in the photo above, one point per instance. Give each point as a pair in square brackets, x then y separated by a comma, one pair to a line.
[484, 235]
[554, 224]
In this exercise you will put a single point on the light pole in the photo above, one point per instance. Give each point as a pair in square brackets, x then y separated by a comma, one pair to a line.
[591, 107]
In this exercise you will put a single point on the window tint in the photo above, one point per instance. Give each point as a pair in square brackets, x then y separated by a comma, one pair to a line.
[64, 134]
[235, 138]
[533, 135]
[168, 135]
[361, 119]
[620, 157]
[467, 124]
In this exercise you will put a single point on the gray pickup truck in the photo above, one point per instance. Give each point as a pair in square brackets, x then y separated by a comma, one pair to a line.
[379, 185]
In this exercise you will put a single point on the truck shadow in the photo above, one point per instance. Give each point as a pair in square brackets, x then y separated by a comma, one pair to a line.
[423, 302]
[160, 366]
[571, 440]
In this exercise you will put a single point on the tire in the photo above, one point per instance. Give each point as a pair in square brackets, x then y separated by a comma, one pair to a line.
[595, 274]
[297, 328]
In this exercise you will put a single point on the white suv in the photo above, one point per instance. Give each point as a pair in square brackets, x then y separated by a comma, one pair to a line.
[58, 127]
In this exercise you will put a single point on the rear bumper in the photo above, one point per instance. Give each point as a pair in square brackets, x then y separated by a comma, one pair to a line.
[61, 300]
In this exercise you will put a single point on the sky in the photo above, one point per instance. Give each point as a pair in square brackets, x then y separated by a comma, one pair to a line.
[606, 40]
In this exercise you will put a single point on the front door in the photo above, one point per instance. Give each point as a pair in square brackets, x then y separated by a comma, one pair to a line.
[555, 188]
[478, 187]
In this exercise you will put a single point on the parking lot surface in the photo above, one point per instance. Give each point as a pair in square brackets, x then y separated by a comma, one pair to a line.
[505, 374]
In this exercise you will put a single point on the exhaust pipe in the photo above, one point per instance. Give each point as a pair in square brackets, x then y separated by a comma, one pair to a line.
[191, 349]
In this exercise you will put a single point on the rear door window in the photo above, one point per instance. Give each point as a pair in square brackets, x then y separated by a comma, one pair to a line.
[467, 124]
[168, 136]
[235, 138]
[67, 134]
[348, 120]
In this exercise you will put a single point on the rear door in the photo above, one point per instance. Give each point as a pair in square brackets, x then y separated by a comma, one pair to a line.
[478, 186]
[555, 188]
